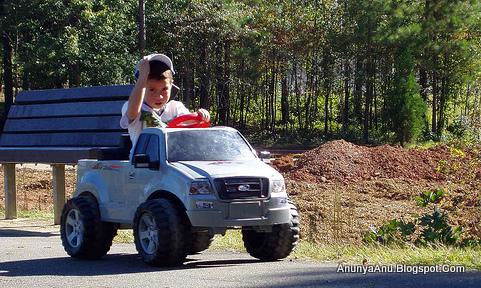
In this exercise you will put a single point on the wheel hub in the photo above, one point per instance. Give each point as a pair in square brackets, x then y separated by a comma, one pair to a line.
[74, 228]
[148, 233]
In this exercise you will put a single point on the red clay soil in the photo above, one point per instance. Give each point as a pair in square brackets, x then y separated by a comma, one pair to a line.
[341, 161]
[342, 189]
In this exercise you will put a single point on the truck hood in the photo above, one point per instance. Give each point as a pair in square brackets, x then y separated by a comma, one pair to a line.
[216, 169]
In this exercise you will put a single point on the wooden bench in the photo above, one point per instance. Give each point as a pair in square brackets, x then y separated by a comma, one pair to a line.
[59, 127]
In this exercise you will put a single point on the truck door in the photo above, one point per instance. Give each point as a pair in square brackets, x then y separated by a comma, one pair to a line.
[140, 178]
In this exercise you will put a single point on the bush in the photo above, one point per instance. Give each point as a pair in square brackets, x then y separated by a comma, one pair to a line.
[461, 127]
[429, 228]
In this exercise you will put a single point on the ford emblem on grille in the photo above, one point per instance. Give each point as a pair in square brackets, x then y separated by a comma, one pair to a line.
[243, 188]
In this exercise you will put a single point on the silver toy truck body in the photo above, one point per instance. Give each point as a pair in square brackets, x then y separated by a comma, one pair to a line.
[181, 186]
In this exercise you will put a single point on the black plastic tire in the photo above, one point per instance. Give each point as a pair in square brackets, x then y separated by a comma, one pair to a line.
[160, 233]
[278, 244]
[82, 232]
[199, 241]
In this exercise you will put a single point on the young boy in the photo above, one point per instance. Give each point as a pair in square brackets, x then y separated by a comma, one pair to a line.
[149, 104]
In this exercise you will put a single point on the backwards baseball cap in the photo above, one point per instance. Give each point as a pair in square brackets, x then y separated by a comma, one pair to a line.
[158, 63]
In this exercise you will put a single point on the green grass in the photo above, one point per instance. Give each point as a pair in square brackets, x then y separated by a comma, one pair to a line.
[469, 257]
[33, 214]
[124, 236]
[231, 241]
[36, 214]
[423, 145]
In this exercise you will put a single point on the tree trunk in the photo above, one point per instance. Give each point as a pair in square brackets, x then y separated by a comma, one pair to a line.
[367, 109]
[423, 82]
[466, 101]
[272, 92]
[376, 118]
[221, 103]
[249, 97]
[204, 82]
[74, 74]
[369, 85]
[358, 79]
[7, 72]
[265, 119]
[442, 104]
[298, 96]
[345, 112]
[242, 94]
[284, 100]
[307, 106]
[188, 89]
[327, 92]
[141, 22]
[224, 111]
[435, 100]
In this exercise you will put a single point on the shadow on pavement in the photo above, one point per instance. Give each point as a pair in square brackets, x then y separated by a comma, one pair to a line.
[23, 233]
[327, 278]
[293, 276]
[111, 264]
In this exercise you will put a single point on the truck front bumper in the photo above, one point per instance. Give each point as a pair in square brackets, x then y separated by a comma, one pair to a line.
[245, 213]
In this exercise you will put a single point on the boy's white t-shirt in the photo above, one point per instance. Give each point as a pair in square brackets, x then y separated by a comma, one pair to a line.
[170, 111]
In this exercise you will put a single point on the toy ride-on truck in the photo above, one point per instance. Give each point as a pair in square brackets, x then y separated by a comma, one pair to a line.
[180, 188]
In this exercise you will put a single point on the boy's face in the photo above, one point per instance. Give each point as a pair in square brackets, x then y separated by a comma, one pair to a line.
[157, 93]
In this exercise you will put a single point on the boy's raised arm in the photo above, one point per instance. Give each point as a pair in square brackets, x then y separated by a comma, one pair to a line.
[136, 97]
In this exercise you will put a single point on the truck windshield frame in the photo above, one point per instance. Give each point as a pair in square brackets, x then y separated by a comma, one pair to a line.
[207, 145]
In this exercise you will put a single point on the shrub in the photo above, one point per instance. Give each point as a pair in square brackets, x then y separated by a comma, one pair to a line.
[428, 228]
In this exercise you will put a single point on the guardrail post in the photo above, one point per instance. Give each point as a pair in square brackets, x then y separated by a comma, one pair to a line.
[10, 191]
[58, 181]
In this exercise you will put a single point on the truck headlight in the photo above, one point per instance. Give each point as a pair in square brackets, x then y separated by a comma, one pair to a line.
[278, 186]
[200, 187]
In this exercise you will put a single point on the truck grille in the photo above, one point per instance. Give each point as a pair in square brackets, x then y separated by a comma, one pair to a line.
[241, 188]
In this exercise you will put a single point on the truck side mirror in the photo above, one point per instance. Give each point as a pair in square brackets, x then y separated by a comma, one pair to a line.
[143, 161]
[265, 156]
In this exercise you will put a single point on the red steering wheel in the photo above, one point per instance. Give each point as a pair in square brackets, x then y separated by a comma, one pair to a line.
[193, 120]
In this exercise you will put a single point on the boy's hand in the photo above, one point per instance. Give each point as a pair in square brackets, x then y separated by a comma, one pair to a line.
[204, 114]
[144, 69]
[137, 95]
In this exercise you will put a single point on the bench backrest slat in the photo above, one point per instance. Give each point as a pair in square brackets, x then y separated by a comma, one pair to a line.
[67, 124]
[56, 119]
[90, 139]
[82, 94]
[66, 109]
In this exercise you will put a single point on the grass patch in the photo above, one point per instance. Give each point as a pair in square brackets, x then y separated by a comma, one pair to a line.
[33, 214]
[376, 254]
[469, 257]
[422, 145]
[231, 241]
[124, 236]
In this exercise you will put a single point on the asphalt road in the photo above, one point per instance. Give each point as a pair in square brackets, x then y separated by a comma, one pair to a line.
[32, 256]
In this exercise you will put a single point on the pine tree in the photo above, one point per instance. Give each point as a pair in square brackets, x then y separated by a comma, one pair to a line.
[406, 106]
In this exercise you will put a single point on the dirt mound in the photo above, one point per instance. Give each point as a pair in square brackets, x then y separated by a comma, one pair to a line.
[343, 161]
[341, 189]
